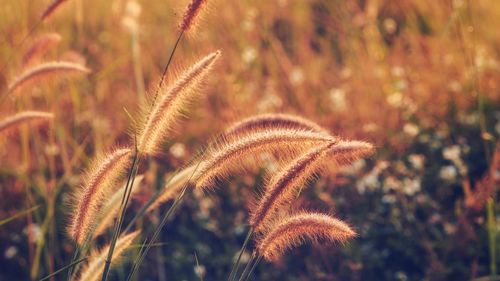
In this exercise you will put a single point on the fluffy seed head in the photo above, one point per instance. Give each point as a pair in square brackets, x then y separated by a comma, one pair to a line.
[44, 69]
[283, 187]
[99, 184]
[193, 11]
[172, 101]
[51, 9]
[40, 46]
[93, 269]
[286, 183]
[295, 229]
[345, 152]
[264, 122]
[112, 206]
[235, 153]
[22, 117]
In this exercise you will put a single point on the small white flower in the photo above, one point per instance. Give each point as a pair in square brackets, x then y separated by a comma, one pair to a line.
[411, 186]
[390, 25]
[10, 252]
[200, 271]
[452, 153]
[337, 97]
[411, 129]
[249, 55]
[395, 99]
[297, 76]
[448, 173]
[133, 9]
[417, 161]
[178, 150]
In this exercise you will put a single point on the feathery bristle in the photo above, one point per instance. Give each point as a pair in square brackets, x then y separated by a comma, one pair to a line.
[51, 9]
[93, 269]
[293, 230]
[285, 185]
[172, 101]
[112, 206]
[272, 120]
[345, 152]
[41, 45]
[21, 117]
[174, 187]
[99, 184]
[46, 69]
[193, 11]
[232, 154]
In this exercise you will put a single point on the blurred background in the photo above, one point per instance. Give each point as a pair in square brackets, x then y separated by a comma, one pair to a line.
[419, 78]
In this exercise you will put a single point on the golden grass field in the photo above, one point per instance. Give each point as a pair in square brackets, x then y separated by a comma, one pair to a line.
[249, 140]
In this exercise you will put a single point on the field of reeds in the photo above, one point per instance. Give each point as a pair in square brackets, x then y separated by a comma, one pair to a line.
[249, 140]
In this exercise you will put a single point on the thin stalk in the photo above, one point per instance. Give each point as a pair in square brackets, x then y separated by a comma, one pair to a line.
[259, 258]
[18, 215]
[248, 266]
[75, 257]
[123, 208]
[490, 224]
[166, 66]
[147, 204]
[143, 252]
[234, 269]
[69, 266]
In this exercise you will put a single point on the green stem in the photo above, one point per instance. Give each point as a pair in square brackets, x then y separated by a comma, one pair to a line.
[251, 269]
[144, 250]
[123, 208]
[234, 269]
[248, 266]
[69, 266]
[490, 219]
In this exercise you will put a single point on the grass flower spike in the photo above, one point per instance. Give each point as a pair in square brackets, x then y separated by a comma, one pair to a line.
[293, 230]
[172, 102]
[99, 184]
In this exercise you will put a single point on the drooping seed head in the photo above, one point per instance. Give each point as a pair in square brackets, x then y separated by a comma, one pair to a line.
[46, 69]
[291, 178]
[283, 187]
[295, 229]
[235, 154]
[14, 121]
[99, 183]
[264, 122]
[40, 46]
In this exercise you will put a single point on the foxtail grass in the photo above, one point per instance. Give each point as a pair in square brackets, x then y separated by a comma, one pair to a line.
[268, 121]
[191, 15]
[41, 45]
[51, 9]
[225, 157]
[99, 184]
[295, 229]
[45, 69]
[173, 100]
[17, 119]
